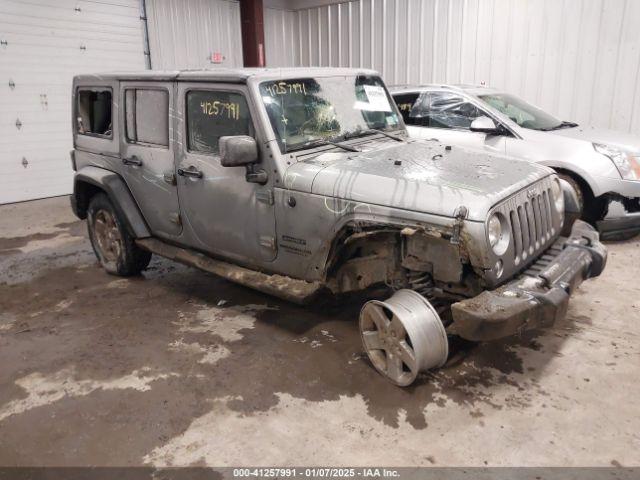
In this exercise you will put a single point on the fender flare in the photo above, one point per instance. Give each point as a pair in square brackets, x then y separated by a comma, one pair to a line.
[116, 189]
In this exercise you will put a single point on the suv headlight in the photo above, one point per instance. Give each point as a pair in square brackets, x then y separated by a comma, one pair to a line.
[621, 159]
[498, 233]
[558, 195]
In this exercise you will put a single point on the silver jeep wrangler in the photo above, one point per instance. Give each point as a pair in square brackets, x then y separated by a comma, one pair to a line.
[302, 181]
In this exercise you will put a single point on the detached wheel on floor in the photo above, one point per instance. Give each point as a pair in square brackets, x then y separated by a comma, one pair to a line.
[113, 245]
[403, 336]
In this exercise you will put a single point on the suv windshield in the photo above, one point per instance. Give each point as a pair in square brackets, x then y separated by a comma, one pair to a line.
[304, 111]
[523, 113]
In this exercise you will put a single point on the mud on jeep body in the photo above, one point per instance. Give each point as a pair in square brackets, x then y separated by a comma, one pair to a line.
[295, 182]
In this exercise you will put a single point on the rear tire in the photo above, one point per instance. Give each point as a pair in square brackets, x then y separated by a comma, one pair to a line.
[113, 245]
[592, 208]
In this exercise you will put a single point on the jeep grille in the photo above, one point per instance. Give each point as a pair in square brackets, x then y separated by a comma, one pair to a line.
[531, 225]
[530, 213]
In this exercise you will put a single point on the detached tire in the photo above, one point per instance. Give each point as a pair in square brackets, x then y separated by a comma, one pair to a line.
[403, 336]
[113, 245]
[592, 209]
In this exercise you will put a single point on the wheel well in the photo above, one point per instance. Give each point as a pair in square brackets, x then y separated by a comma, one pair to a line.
[364, 255]
[92, 180]
[582, 183]
[360, 255]
[593, 208]
[83, 193]
[345, 245]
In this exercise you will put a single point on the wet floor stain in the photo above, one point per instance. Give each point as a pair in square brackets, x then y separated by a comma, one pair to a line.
[41, 390]
[13, 245]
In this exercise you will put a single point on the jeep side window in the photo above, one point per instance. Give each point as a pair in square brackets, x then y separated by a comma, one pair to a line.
[147, 116]
[93, 112]
[214, 114]
[447, 110]
[406, 103]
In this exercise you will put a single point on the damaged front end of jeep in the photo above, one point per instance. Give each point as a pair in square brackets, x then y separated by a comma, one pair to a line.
[431, 260]
[461, 279]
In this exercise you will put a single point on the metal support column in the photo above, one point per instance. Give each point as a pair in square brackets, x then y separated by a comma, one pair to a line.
[252, 20]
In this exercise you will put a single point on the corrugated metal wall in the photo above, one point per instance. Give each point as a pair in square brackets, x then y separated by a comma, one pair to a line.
[185, 33]
[577, 58]
[281, 38]
[43, 43]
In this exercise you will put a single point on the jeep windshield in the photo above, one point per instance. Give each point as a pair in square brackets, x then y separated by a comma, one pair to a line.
[523, 113]
[309, 112]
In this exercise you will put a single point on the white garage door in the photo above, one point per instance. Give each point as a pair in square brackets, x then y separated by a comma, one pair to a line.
[43, 44]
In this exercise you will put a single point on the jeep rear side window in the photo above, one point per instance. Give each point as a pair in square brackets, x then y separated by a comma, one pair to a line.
[93, 112]
[211, 115]
[147, 116]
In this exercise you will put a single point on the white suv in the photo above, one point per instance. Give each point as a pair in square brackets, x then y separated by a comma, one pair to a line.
[602, 165]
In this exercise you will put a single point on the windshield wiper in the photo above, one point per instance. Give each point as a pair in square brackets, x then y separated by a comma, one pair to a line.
[321, 142]
[560, 126]
[346, 136]
[370, 131]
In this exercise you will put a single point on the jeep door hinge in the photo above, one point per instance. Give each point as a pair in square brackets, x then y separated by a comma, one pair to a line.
[265, 196]
[169, 177]
[175, 218]
[460, 214]
[267, 241]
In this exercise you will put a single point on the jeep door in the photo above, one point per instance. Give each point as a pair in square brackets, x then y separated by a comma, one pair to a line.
[147, 153]
[223, 213]
[446, 116]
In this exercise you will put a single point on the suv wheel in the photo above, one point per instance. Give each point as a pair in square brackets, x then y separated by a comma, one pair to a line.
[113, 245]
[592, 208]
[403, 336]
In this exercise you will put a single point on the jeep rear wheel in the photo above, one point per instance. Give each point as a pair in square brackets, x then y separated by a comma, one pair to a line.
[113, 245]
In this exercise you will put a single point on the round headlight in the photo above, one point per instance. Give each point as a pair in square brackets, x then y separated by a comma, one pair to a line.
[495, 230]
[498, 233]
[558, 195]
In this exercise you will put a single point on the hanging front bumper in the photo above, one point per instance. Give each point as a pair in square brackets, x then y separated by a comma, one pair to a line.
[537, 298]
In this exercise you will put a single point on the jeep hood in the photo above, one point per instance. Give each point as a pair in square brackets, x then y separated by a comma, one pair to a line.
[417, 175]
[624, 141]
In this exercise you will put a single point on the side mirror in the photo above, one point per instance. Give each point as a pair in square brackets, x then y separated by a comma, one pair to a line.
[484, 125]
[238, 150]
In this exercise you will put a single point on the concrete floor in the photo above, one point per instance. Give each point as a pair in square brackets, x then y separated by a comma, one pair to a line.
[178, 368]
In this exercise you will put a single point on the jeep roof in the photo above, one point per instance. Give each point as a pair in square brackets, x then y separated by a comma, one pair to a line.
[232, 75]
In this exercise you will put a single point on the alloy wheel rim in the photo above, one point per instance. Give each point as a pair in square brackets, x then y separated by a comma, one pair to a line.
[387, 344]
[107, 235]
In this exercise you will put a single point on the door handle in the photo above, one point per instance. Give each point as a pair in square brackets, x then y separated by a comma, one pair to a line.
[133, 160]
[191, 172]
